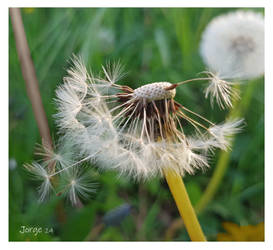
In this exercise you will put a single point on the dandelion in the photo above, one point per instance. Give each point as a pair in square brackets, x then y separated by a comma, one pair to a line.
[136, 132]
[233, 45]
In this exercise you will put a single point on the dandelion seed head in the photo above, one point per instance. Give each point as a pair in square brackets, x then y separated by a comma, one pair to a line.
[155, 91]
[233, 45]
[136, 132]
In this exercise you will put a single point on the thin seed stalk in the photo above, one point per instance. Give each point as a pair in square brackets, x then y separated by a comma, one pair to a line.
[183, 203]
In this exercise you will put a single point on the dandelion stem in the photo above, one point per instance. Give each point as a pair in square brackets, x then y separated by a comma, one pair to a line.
[184, 205]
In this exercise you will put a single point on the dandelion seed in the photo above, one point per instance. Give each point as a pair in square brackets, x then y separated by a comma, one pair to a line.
[233, 45]
[76, 183]
[40, 173]
[220, 90]
[73, 182]
[223, 132]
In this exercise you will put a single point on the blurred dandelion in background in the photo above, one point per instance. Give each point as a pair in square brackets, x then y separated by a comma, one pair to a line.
[233, 45]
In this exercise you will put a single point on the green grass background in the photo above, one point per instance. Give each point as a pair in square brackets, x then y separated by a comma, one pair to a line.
[154, 45]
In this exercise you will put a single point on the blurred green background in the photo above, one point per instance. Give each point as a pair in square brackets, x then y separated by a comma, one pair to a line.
[154, 45]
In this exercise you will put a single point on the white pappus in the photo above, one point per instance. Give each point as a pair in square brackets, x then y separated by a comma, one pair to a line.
[137, 132]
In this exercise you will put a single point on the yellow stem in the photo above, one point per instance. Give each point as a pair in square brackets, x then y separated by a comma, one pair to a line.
[184, 205]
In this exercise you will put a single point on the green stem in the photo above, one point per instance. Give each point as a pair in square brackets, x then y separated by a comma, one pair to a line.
[239, 109]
